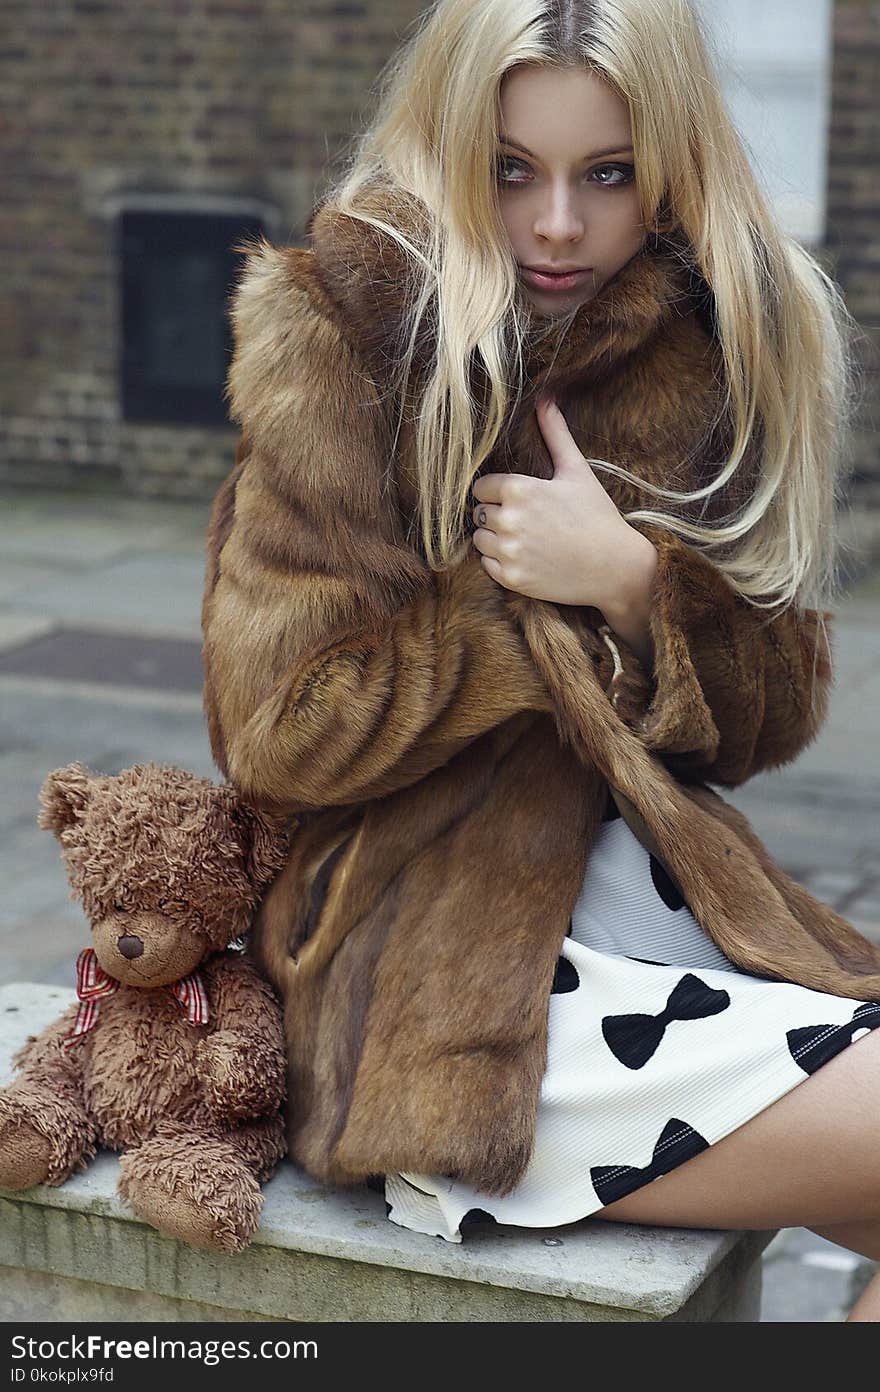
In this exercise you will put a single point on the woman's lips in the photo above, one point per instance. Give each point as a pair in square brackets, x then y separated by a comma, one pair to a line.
[543, 281]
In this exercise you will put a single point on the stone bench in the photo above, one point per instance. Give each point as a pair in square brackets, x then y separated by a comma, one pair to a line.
[77, 1252]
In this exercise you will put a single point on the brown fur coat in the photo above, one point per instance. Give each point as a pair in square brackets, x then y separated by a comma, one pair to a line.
[446, 744]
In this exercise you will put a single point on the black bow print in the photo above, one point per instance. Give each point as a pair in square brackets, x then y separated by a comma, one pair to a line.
[678, 1142]
[633, 1039]
[816, 1044]
[565, 978]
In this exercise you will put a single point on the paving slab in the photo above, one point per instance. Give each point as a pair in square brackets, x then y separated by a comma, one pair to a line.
[148, 594]
[808, 1279]
[120, 659]
[85, 530]
[17, 627]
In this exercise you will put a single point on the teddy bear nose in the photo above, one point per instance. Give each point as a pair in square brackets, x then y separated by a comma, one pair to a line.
[130, 945]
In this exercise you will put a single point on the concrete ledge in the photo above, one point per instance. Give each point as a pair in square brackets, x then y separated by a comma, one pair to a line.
[77, 1251]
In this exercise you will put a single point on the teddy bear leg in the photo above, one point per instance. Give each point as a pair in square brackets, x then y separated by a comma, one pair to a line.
[45, 1130]
[200, 1187]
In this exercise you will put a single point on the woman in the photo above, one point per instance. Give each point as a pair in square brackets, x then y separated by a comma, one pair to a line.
[449, 653]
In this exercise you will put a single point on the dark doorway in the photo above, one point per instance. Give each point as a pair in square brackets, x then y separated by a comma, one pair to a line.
[178, 269]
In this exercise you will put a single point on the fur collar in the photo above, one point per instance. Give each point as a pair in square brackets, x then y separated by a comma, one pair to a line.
[366, 275]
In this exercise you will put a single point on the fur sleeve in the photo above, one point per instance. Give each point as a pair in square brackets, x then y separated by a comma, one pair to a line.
[338, 667]
[732, 692]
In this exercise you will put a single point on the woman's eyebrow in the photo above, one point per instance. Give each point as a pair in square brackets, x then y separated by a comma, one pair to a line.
[597, 154]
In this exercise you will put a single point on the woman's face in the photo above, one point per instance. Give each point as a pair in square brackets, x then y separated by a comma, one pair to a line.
[566, 181]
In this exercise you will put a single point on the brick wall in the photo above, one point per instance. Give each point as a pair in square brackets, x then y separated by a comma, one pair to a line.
[210, 99]
[104, 98]
[853, 220]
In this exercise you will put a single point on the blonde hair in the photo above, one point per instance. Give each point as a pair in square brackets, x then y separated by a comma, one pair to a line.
[780, 321]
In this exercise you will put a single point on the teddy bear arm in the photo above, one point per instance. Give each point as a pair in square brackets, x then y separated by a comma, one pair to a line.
[243, 1061]
[245, 1005]
[241, 1077]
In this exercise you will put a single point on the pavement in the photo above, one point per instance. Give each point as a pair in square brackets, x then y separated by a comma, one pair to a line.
[100, 636]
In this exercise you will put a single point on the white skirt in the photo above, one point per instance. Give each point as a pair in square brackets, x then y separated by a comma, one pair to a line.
[657, 1047]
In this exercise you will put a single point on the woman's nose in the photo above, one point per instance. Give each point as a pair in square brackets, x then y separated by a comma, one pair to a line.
[559, 220]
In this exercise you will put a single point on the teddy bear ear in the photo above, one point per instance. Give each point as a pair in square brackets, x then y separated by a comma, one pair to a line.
[65, 792]
[266, 843]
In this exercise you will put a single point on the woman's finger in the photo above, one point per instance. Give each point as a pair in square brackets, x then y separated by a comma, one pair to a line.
[551, 418]
[487, 543]
[487, 515]
[560, 442]
[487, 488]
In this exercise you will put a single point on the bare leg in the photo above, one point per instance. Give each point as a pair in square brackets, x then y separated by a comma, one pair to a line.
[810, 1160]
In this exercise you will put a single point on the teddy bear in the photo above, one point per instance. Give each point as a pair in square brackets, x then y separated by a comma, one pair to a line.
[174, 1052]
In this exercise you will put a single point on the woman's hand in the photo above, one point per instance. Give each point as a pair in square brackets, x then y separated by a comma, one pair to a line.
[560, 539]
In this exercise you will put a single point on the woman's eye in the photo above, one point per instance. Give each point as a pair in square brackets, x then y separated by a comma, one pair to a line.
[499, 169]
[625, 170]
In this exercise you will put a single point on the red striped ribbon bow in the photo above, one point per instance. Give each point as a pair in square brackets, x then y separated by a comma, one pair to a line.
[92, 982]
